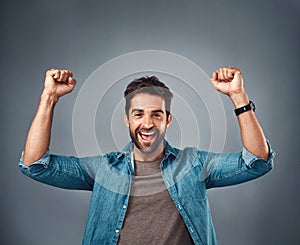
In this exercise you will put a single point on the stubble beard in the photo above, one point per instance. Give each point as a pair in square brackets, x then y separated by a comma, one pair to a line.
[147, 148]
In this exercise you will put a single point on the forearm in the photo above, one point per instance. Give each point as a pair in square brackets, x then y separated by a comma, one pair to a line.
[38, 138]
[57, 83]
[229, 81]
[252, 134]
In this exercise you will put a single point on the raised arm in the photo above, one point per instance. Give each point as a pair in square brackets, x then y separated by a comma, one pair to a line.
[229, 81]
[57, 83]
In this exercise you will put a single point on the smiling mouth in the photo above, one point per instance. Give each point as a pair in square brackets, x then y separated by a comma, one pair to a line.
[147, 136]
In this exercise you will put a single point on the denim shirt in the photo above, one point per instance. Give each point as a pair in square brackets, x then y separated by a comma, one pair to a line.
[187, 174]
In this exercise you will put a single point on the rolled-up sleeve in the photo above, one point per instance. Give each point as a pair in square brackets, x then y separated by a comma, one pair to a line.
[43, 162]
[234, 168]
[66, 172]
[251, 159]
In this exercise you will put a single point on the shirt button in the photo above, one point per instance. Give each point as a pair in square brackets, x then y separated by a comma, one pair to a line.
[124, 206]
[117, 231]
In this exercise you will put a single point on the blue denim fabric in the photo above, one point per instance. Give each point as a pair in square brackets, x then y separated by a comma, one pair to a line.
[187, 173]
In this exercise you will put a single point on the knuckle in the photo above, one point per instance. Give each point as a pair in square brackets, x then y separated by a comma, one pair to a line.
[50, 71]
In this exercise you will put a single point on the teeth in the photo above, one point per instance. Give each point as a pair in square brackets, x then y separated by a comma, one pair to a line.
[148, 134]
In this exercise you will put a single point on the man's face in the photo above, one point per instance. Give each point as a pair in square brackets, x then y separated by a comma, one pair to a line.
[147, 122]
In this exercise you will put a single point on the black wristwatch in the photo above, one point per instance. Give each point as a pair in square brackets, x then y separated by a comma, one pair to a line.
[245, 108]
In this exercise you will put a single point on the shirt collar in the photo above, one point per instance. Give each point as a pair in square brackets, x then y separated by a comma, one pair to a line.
[169, 150]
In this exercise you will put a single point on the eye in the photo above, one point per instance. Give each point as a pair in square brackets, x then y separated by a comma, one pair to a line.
[137, 115]
[157, 115]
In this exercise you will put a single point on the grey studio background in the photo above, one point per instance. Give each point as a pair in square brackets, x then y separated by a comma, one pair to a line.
[260, 37]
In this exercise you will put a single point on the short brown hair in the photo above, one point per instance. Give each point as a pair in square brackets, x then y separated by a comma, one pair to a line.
[148, 85]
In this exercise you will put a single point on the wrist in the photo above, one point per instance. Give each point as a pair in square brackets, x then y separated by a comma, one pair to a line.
[240, 99]
[48, 99]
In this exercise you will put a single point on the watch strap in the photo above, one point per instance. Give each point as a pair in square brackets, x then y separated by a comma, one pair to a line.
[245, 108]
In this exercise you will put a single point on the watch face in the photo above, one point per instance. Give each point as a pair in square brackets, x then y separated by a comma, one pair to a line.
[252, 105]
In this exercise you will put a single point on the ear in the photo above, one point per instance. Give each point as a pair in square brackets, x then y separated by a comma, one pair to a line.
[126, 119]
[169, 120]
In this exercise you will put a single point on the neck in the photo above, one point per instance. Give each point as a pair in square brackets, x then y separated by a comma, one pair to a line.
[148, 157]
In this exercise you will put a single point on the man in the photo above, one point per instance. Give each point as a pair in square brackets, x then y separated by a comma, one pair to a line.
[149, 193]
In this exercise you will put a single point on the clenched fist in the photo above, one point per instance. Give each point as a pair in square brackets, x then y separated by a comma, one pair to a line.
[228, 80]
[58, 83]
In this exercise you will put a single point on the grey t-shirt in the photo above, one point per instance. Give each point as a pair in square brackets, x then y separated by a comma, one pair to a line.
[152, 217]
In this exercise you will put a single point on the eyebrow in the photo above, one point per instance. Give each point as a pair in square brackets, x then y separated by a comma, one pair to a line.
[140, 110]
[156, 111]
[136, 110]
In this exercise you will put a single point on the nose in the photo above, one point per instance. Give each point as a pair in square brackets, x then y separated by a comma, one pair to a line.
[147, 122]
